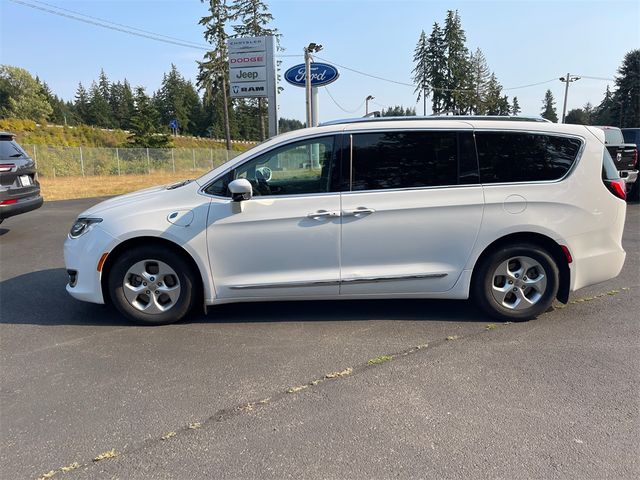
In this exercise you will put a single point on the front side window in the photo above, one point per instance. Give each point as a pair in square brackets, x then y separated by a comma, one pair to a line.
[387, 160]
[524, 157]
[299, 168]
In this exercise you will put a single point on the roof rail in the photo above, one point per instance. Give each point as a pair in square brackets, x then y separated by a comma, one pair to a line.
[503, 118]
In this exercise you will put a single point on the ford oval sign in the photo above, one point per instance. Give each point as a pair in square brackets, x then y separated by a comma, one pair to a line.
[321, 74]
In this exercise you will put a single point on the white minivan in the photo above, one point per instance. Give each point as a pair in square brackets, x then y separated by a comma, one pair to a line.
[512, 212]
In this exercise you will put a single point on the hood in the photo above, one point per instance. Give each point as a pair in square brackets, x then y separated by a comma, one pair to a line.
[136, 198]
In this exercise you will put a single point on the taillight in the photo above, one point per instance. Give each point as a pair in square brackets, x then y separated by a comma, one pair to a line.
[617, 187]
[9, 202]
[7, 167]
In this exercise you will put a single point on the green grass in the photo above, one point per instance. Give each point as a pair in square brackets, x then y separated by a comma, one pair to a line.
[380, 359]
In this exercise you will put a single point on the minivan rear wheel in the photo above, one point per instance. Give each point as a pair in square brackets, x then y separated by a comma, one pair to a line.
[516, 282]
[152, 285]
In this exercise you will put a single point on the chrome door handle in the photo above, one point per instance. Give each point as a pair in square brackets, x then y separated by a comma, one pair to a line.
[323, 214]
[358, 211]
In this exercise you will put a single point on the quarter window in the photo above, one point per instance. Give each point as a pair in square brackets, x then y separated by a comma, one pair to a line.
[386, 160]
[524, 157]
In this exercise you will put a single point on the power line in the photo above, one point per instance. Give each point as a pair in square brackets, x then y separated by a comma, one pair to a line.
[598, 78]
[129, 27]
[340, 106]
[531, 84]
[111, 27]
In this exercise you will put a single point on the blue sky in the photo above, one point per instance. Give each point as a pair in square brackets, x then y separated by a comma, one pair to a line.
[524, 42]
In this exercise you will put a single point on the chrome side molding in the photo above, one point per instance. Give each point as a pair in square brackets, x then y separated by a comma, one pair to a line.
[387, 278]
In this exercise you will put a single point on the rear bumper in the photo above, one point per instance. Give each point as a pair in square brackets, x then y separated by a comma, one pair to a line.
[23, 205]
[629, 176]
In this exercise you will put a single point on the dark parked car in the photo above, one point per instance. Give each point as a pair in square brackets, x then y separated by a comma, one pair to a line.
[625, 157]
[19, 187]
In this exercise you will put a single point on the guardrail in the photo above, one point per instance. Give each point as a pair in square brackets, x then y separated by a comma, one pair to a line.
[54, 161]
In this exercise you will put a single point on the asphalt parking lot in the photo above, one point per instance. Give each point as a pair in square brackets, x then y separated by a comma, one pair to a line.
[287, 390]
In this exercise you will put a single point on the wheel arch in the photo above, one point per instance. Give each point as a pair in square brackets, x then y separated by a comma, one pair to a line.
[547, 243]
[134, 242]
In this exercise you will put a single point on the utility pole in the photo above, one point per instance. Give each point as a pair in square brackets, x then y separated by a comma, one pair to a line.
[308, 50]
[366, 101]
[567, 80]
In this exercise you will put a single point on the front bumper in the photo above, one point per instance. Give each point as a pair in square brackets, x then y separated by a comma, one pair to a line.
[81, 257]
[23, 205]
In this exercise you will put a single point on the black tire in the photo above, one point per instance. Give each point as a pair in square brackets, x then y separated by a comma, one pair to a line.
[185, 279]
[486, 276]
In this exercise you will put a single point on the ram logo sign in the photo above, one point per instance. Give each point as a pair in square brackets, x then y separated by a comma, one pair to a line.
[321, 74]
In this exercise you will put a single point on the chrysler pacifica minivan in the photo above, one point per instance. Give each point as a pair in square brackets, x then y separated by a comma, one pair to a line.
[511, 213]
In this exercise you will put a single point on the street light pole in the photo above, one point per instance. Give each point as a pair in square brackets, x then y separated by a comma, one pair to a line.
[567, 80]
[312, 47]
[366, 101]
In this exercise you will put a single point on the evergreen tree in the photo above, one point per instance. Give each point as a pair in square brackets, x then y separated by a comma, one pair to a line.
[82, 104]
[121, 102]
[436, 65]
[287, 124]
[495, 103]
[421, 71]
[398, 111]
[481, 74]
[99, 108]
[577, 116]
[604, 113]
[515, 109]
[457, 65]
[145, 122]
[626, 105]
[177, 99]
[549, 108]
[103, 85]
[212, 77]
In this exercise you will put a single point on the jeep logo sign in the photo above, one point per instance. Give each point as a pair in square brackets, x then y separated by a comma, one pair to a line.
[321, 74]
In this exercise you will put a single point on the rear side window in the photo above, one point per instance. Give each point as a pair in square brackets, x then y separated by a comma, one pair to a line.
[609, 170]
[524, 157]
[407, 159]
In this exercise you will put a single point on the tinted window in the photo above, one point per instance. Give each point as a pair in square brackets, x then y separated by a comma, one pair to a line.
[10, 149]
[298, 168]
[386, 160]
[524, 157]
[609, 170]
[631, 136]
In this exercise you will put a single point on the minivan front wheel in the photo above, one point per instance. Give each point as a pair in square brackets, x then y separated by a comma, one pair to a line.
[153, 286]
[516, 283]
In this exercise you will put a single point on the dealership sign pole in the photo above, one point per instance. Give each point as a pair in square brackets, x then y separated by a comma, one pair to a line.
[252, 73]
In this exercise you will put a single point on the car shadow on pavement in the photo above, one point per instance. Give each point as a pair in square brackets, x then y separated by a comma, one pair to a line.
[40, 298]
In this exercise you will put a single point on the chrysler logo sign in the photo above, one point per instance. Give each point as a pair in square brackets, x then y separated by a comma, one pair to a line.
[321, 74]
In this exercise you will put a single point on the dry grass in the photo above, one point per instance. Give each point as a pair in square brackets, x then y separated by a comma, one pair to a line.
[66, 188]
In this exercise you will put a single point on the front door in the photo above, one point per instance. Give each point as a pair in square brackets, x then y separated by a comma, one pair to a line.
[284, 242]
[412, 216]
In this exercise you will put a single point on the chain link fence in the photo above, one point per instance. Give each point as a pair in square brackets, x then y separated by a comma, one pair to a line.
[54, 161]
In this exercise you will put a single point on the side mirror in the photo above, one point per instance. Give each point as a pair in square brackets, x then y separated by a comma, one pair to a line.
[240, 190]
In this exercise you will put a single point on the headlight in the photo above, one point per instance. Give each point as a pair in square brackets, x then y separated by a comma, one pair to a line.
[82, 226]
